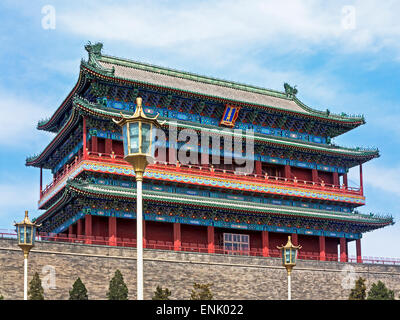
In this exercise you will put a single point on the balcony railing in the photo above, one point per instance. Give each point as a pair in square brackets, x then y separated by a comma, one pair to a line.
[252, 177]
[209, 171]
[188, 247]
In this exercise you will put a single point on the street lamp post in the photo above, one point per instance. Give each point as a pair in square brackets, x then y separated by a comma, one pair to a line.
[289, 257]
[26, 233]
[137, 132]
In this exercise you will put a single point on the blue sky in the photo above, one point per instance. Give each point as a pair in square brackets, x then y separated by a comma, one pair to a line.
[338, 63]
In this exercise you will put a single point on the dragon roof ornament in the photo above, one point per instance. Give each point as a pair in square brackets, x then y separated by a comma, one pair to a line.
[290, 91]
[94, 52]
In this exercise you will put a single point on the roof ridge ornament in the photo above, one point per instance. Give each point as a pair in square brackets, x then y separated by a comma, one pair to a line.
[94, 52]
[290, 91]
[94, 49]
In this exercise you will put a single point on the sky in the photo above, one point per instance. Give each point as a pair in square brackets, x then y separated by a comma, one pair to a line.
[342, 55]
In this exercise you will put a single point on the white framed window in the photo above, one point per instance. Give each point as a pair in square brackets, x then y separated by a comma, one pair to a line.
[236, 243]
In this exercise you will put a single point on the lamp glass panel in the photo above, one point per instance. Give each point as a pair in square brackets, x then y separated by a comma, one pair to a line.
[33, 235]
[134, 137]
[146, 137]
[21, 234]
[294, 255]
[287, 256]
[28, 234]
[125, 139]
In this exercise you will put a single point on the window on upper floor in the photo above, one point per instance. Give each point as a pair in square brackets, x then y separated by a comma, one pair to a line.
[236, 243]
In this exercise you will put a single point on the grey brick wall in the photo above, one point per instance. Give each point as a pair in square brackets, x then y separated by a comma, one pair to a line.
[233, 277]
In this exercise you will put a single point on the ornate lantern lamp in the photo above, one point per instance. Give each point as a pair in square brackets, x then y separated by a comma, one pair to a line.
[137, 132]
[26, 233]
[289, 257]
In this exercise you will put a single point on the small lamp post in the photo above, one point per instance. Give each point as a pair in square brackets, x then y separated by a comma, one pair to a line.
[137, 132]
[289, 257]
[26, 233]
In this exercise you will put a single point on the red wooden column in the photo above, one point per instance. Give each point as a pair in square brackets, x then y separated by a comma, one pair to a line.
[94, 144]
[177, 237]
[295, 239]
[314, 173]
[258, 168]
[322, 252]
[361, 180]
[343, 250]
[288, 172]
[79, 228]
[84, 139]
[265, 243]
[112, 231]
[108, 146]
[335, 179]
[345, 181]
[358, 251]
[88, 228]
[210, 239]
[70, 232]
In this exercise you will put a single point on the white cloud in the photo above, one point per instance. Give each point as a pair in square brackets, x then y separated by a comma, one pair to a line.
[15, 198]
[209, 26]
[19, 117]
[380, 177]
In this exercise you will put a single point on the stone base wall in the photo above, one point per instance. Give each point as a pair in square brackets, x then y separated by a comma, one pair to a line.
[233, 277]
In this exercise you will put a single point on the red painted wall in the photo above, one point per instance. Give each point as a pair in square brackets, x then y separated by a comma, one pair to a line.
[101, 148]
[118, 147]
[331, 245]
[126, 228]
[273, 170]
[309, 243]
[159, 231]
[196, 234]
[326, 176]
[100, 226]
[277, 239]
[302, 174]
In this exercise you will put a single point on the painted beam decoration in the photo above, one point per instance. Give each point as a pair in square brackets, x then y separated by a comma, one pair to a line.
[230, 115]
[214, 182]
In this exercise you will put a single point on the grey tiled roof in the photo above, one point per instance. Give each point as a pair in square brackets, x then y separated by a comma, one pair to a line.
[216, 90]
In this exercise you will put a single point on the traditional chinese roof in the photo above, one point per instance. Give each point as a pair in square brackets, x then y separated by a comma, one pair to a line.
[64, 133]
[362, 154]
[114, 192]
[127, 72]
